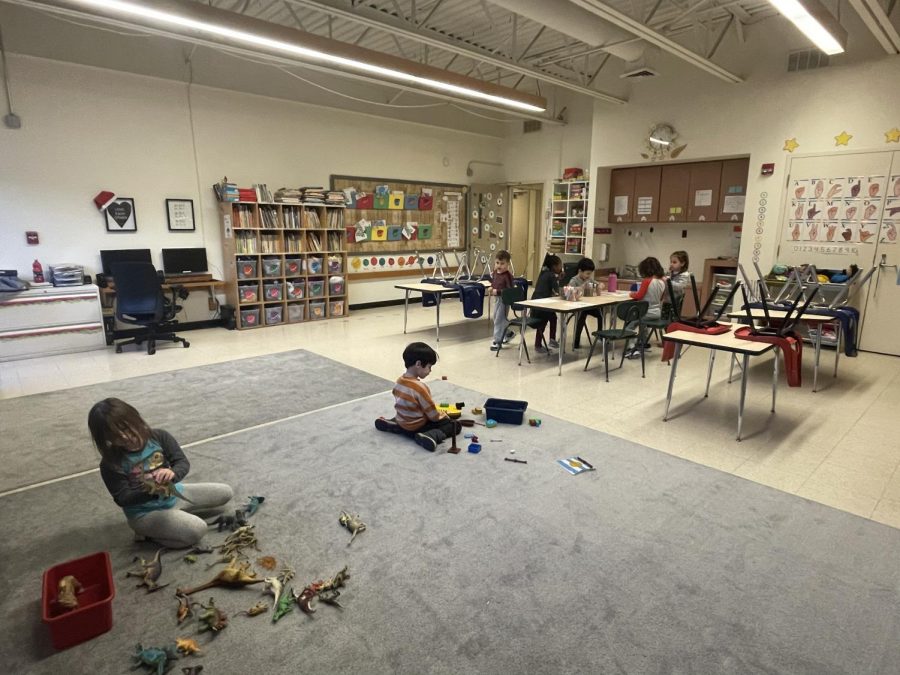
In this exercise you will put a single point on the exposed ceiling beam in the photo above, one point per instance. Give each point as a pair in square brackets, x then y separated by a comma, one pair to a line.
[878, 23]
[637, 28]
[720, 37]
[531, 44]
[380, 20]
[431, 13]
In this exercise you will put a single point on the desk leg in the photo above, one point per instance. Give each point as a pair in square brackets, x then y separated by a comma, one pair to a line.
[522, 336]
[838, 334]
[437, 325]
[709, 368]
[774, 378]
[746, 367]
[562, 344]
[405, 310]
[818, 352]
[672, 379]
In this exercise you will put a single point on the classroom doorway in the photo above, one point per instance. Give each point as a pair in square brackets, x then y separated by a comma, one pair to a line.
[525, 229]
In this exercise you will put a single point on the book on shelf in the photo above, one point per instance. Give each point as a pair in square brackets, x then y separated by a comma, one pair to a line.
[225, 191]
[292, 217]
[268, 217]
[313, 242]
[245, 242]
[334, 241]
[247, 194]
[289, 195]
[262, 193]
[311, 218]
[268, 243]
[335, 219]
[244, 215]
[293, 243]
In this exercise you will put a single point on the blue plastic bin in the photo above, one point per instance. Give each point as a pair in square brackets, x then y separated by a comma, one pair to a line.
[505, 411]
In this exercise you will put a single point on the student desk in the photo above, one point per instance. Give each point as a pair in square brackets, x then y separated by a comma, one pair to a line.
[566, 307]
[809, 318]
[438, 291]
[725, 342]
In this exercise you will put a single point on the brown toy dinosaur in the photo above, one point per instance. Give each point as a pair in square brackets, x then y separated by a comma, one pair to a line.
[151, 487]
[326, 591]
[212, 618]
[150, 572]
[184, 608]
[187, 646]
[236, 575]
[352, 523]
[257, 609]
[66, 597]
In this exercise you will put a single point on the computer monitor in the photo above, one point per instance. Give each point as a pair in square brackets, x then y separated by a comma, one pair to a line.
[109, 258]
[184, 260]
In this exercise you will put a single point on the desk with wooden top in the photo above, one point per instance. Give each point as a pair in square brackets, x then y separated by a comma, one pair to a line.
[809, 318]
[564, 307]
[438, 291]
[726, 342]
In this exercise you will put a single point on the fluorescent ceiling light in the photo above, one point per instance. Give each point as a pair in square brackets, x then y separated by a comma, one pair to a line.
[815, 22]
[243, 37]
[659, 142]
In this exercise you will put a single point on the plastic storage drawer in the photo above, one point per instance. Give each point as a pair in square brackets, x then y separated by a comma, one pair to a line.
[335, 264]
[296, 312]
[272, 292]
[274, 315]
[336, 286]
[247, 268]
[295, 290]
[505, 410]
[336, 308]
[316, 288]
[249, 318]
[248, 293]
[314, 265]
[293, 266]
[271, 267]
[317, 310]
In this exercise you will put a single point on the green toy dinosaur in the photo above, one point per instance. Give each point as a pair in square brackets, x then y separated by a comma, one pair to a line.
[154, 658]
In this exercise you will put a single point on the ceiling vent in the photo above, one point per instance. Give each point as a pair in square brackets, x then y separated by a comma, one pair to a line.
[530, 126]
[806, 59]
[639, 73]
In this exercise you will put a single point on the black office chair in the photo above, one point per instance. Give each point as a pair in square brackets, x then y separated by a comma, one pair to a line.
[140, 301]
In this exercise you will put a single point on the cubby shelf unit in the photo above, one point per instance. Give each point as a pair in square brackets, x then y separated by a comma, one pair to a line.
[568, 217]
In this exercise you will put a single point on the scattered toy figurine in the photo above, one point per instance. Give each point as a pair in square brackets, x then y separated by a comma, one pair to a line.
[534, 422]
[490, 424]
[238, 520]
[67, 590]
[453, 411]
[154, 658]
[453, 449]
[326, 591]
[184, 608]
[236, 575]
[267, 562]
[190, 558]
[236, 542]
[197, 550]
[257, 609]
[443, 377]
[477, 411]
[352, 523]
[150, 572]
[187, 646]
[275, 586]
[212, 618]
[474, 446]
[192, 670]
[252, 505]
[151, 487]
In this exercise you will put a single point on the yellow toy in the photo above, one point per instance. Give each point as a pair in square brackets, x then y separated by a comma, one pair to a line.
[452, 409]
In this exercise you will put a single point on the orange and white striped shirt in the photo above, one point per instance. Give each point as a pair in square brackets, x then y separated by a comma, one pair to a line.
[413, 404]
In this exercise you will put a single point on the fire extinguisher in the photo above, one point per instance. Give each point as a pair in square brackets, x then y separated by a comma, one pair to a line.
[38, 272]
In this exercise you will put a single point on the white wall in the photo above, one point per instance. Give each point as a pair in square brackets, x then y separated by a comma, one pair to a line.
[87, 129]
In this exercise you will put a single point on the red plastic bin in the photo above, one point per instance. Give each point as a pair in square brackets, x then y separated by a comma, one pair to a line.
[93, 616]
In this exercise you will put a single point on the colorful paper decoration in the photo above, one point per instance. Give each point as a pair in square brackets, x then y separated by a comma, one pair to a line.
[842, 138]
[791, 144]
[424, 232]
[394, 233]
[396, 202]
[411, 202]
[892, 135]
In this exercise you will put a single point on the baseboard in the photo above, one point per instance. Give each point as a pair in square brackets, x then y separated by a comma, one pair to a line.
[384, 303]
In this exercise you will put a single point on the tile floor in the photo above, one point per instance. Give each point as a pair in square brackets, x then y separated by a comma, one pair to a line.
[838, 446]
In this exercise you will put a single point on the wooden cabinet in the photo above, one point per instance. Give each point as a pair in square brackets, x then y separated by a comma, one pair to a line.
[675, 181]
[733, 189]
[621, 195]
[703, 194]
[284, 263]
[646, 194]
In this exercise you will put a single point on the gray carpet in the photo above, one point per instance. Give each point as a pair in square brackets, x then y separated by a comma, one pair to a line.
[200, 402]
[476, 565]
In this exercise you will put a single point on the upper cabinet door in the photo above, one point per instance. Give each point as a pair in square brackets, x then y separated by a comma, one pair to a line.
[733, 190]
[675, 182]
[621, 196]
[646, 194]
[703, 196]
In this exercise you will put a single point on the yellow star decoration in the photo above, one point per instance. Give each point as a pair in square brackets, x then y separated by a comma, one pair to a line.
[842, 138]
[791, 144]
[892, 136]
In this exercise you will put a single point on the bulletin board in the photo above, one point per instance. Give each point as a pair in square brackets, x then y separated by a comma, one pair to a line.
[388, 220]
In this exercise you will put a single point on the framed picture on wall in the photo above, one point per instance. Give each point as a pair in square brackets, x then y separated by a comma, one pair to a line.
[181, 215]
[120, 216]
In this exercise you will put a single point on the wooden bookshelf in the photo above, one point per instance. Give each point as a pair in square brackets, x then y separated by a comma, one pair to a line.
[284, 263]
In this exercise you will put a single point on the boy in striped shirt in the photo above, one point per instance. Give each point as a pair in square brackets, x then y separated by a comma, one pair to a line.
[417, 415]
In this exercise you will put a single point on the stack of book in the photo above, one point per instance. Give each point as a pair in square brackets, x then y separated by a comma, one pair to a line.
[263, 194]
[335, 219]
[289, 195]
[315, 195]
[247, 194]
[225, 191]
[334, 198]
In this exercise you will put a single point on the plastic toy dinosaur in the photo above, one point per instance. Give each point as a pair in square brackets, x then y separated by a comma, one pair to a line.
[275, 586]
[150, 572]
[184, 608]
[252, 506]
[187, 646]
[352, 523]
[151, 487]
[257, 609]
[239, 519]
[212, 618]
[285, 605]
[237, 541]
[235, 575]
[154, 658]
[326, 591]
[192, 670]
[66, 596]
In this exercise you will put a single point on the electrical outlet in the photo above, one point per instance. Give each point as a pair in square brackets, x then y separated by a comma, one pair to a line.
[212, 304]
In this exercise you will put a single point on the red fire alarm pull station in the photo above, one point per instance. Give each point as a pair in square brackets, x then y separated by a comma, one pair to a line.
[31, 238]
[768, 169]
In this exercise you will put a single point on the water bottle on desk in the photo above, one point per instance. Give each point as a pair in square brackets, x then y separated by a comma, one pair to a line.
[613, 283]
[37, 272]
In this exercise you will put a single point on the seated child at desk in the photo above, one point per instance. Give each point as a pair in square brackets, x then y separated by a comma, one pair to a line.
[547, 286]
[678, 271]
[417, 415]
[651, 291]
[584, 278]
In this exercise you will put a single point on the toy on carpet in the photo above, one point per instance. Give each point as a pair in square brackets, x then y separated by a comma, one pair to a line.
[352, 523]
[252, 505]
[150, 572]
[212, 618]
[187, 646]
[534, 422]
[490, 424]
[257, 609]
[275, 586]
[443, 377]
[238, 520]
[166, 490]
[184, 608]
[513, 459]
[326, 591]
[452, 410]
[67, 590]
[474, 446]
[154, 658]
[192, 670]
[190, 558]
[267, 562]
[236, 575]
[236, 542]
[477, 411]
[453, 449]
